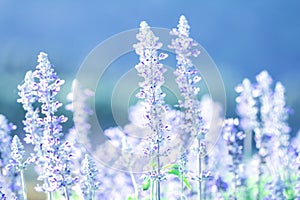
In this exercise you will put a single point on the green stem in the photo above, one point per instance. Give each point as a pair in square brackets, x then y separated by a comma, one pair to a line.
[248, 145]
[152, 190]
[158, 173]
[66, 189]
[23, 185]
[235, 183]
[50, 196]
[66, 193]
[136, 191]
[93, 195]
[182, 187]
[259, 180]
[199, 172]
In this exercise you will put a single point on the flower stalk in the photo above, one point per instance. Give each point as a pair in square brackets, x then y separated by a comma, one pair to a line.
[187, 77]
[43, 128]
[152, 71]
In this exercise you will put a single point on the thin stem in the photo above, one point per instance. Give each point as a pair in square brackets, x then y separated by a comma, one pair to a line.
[158, 171]
[152, 190]
[66, 193]
[182, 187]
[182, 170]
[50, 196]
[155, 116]
[93, 195]
[248, 145]
[23, 185]
[199, 171]
[235, 184]
[66, 189]
[136, 191]
[259, 180]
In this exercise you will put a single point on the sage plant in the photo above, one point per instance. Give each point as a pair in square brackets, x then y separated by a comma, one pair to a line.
[89, 183]
[187, 77]
[280, 162]
[2, 190]
[234, 139]
[152, 95]
[12, 179]
[81, 112]
[297, 163]
[263, 134]
[272, 136]
[246, 108]
[17, 164]
[5, 139]
[43, 127]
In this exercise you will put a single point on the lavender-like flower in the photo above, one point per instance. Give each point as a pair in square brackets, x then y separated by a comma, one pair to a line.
[187, 78]
[272, 134]
[280, 162]
[297, 166]
[17, 164]
[280, 117]
[89, 183]
[5, 139]
[43, 127]
[78, 135]
[246, 105]
[13, 184]
[2, 192]
[264, 134]
[17, 155]
[152, 71]
[247, 110]
[234, 139]
[2, 196]
[79, 106]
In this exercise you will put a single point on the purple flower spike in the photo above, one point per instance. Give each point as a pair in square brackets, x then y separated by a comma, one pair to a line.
[43, 127]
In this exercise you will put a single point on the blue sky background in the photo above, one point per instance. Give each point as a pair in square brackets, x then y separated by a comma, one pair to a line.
[242, 37]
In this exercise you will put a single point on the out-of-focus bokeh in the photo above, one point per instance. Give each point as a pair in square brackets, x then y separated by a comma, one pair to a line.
[243, 38]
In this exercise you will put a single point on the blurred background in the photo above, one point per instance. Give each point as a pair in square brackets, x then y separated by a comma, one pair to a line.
[242, 37]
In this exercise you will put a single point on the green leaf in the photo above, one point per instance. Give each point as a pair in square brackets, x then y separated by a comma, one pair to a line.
[146, 183]
[174, 169]
[131, 198]
[169, 166]
[186, 182]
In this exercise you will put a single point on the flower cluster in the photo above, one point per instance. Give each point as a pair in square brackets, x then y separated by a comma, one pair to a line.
[187, 77]
[234, 139]
[43, 128]
[17, 164]
[2, 189]
[272, 134]
[5, 138]
[264, 133]
[17, 155]
[246, 106]
[81, 112]
[152, 71]
[89, 183]
[5, 156]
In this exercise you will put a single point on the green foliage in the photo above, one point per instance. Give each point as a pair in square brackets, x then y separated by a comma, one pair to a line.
[174, 169]
[146, 183]
[133, 197]
[59, 196]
